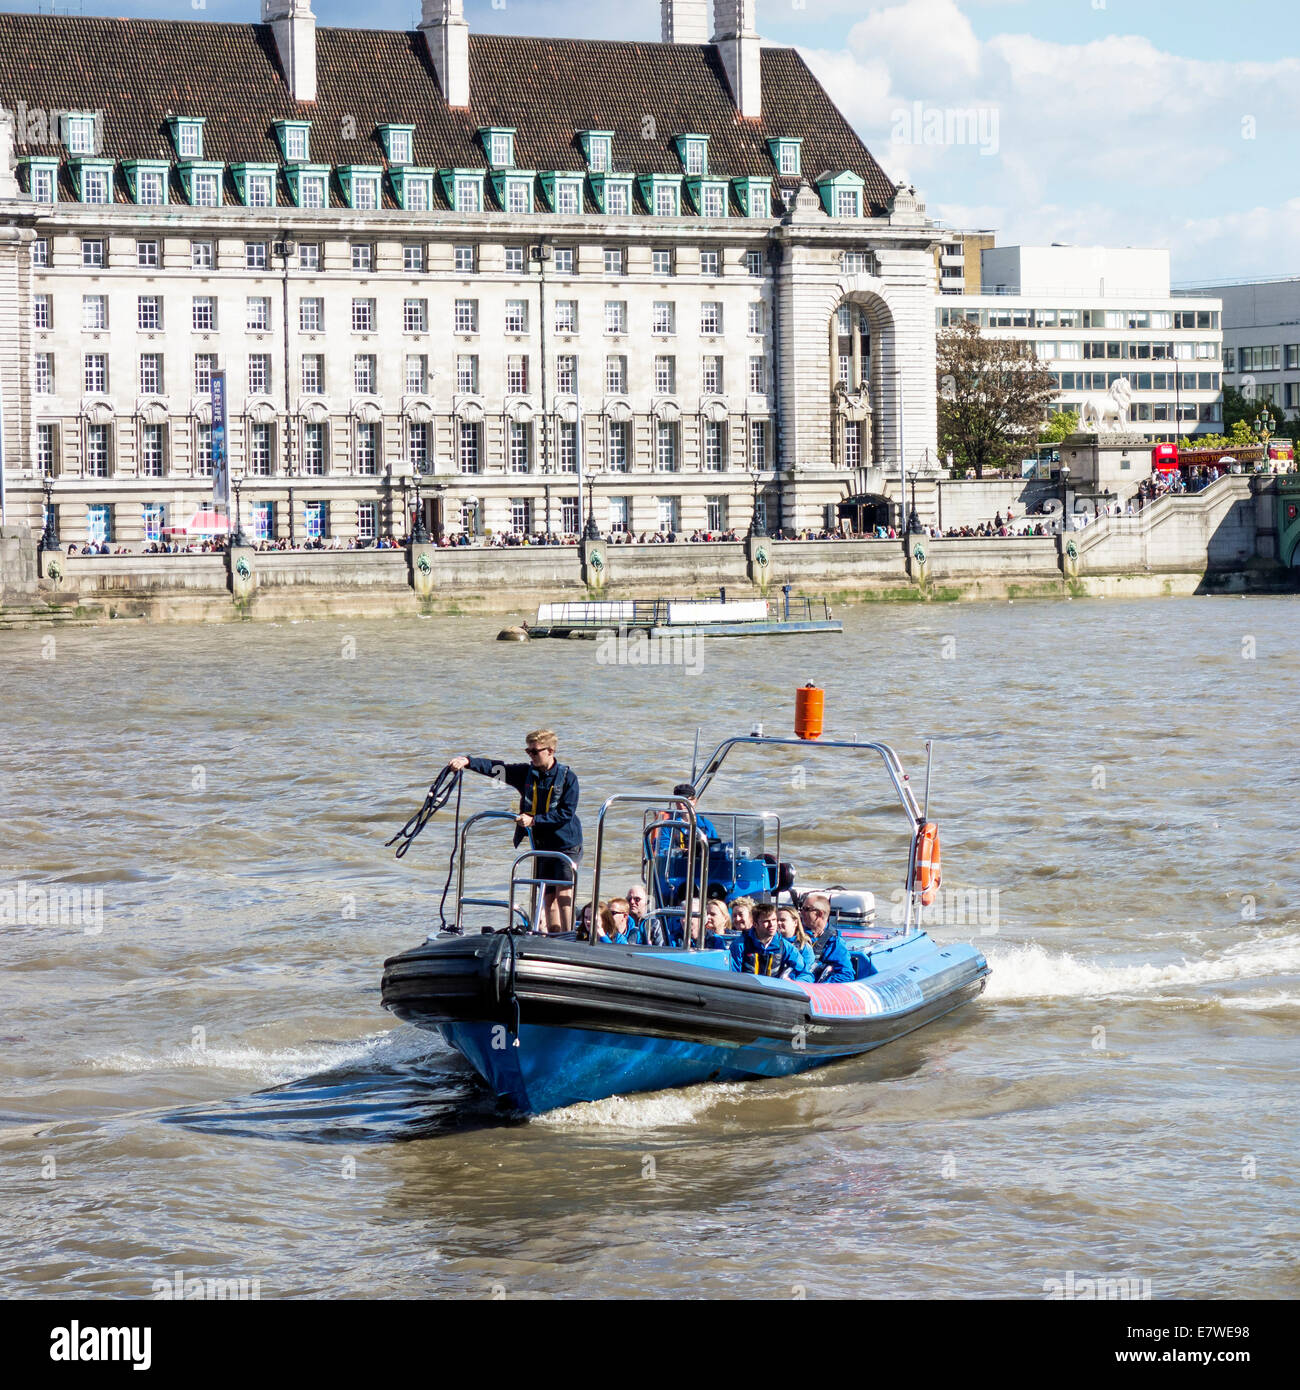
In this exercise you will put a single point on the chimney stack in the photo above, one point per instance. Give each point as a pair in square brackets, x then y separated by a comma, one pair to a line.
[442, 22]
[740, 49]
[685, 21]
[294, 27]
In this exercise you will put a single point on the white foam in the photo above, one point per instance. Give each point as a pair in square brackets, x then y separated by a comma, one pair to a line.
[1033, 972]
[657, 1110]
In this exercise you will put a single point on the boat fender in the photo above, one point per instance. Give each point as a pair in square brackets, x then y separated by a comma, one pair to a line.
[513, 634]
[925, 863]
[501, 965]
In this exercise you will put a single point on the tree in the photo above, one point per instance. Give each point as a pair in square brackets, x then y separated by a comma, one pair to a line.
[1244, 406]
[992, 397]
[1063, 423]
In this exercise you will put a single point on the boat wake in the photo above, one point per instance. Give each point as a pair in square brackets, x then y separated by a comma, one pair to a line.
[658, 1110]
[1033, 972]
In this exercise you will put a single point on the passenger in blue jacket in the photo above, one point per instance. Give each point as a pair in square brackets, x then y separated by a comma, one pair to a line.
[548, 814]
[762, 950]
[834, 963]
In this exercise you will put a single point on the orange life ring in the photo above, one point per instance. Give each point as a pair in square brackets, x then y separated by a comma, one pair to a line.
[925, 863]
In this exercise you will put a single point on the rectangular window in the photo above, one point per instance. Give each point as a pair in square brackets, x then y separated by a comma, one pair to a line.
[151, 188]
[520, 447]
[665, 447]
[519, 196]
[669, 523]
[399, 146]
[714, 201]
[568, 450]
[46, 449]
[205, 363]
[313, 450]
[92, 254]
[666, 376]
[311, 315]
[754, 262]
[521, 516]
[852, 444]
[661, 262]
[313, 373]
[501, 150]
[715, 445]
[616, 376]
[207, 190]
[155, 518]
[711, 376]
[201, 255]
[615, 316]
[311, 191]
[417, 444]
[363, 315]
[566, 315]
[259, 314]
[96, 373]
[715, 513]
[710, 264]
[618, 201]
[42, 185]
[758, 443]
[255, 255]
[415, 315]
[517, 375]
[564, 260]
[566, 374]
[258, 190]
[41, 251]
[757, 319]
[44, 374]
[469, 195]
[467, 374]
[466, 260]
[846, 202]
[259, 451]
[416, 374]
[663, 318]
[153, 453]
[151, 374]
[468, 447]
[97, 452]
[363, 257]
[613, 260]
[146, 255]
[41, 311]
[316, 516]
[757, 376]
[568, 199]
[367, 520]
[516, 316]
[616, 446]
[205, 313]
[95, 187]
[711, 318]
[99, 521]
[263, 521]
[514, 260]
[308, 255]
[363, 374]
[466, 316]
[259, 373]
[666, 200]
[413, 259]
[365, 192]
[619, 511]
[367, 448]
[570, 519]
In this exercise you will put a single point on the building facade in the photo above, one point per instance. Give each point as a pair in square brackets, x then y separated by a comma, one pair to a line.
[495, 267]
[957, 261]
[1096, 315]
[1261, 341]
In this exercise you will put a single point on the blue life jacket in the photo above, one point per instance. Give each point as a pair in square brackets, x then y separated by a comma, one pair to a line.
[835, 964]
[779, 957]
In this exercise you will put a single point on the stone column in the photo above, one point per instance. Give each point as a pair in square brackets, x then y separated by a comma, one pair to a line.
[594, 555]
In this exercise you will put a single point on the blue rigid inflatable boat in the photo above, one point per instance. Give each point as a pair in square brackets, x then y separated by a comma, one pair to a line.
[549, 1020]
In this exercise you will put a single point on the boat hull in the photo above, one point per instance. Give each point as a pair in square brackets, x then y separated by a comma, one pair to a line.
[549, 1023]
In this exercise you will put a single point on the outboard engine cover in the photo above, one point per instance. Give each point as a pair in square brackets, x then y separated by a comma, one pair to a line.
[853, 909]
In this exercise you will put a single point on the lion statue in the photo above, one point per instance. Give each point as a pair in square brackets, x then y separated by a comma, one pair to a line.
[1108, 413]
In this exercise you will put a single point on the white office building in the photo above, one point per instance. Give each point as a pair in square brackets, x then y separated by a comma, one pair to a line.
[1096, 314]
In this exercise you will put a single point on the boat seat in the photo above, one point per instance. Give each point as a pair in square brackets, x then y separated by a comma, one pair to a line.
[862, 967]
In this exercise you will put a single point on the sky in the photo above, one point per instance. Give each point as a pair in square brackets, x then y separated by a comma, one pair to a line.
[1090, 122]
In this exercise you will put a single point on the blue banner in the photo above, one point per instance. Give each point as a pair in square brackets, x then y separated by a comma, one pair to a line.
[220, 450]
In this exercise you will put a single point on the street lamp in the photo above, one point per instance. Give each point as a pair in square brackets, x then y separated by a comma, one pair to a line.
[238, 538]
[1065, 497]
[50, 531]
[1264, 426]
[757, 523]
[591, 531]
[419, 532]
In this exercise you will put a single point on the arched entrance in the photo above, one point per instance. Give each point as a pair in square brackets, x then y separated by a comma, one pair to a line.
[863, 512]
[866, 427]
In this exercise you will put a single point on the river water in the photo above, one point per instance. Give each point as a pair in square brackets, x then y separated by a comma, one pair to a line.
[200, 1081]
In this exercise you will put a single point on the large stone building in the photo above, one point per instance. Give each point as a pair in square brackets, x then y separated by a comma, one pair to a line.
[1261, 342]
[499, 262]
[1096, 315]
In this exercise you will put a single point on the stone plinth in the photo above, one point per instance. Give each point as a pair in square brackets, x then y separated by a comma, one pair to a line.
[1106, 462]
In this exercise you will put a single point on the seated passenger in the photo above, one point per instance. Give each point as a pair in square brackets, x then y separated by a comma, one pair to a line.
[834, 964]
[762, 950]
[790, 927]
[638, 904]
[717, 922]
[742, 914]
[620, 930]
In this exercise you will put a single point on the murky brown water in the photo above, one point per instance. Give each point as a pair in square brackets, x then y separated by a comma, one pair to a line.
[207, 1085]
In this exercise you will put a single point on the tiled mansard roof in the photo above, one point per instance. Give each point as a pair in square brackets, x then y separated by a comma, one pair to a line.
[137, 72]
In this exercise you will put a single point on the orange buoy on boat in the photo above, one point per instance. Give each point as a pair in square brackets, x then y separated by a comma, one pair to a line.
[809, 705]
[925, 862]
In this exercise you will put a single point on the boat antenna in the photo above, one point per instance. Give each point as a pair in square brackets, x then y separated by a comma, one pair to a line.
[695, 754]
[929, 764]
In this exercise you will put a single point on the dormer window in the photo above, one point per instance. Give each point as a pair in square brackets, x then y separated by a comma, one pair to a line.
[563, 192]
[361, 186]
[693, 151]
[710, 197]
[515, 192]
[147, 181]
[786, 154]
[295, 140]
[255, 184]
[413, 188]
[42, 179]
[755, 196]
[398, 142]
[309, 184]
[598, 146]
[613, 194]
[499, 146]
[93, 179]
[464, 189]
[187, 135]
[662, 194]
[80, 129]
[202, 182]
[841, 193]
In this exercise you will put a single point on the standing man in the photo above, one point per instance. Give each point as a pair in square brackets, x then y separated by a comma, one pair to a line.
[548, 813]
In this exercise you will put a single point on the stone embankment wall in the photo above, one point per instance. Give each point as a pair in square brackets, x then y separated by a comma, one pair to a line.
[1221, 537]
